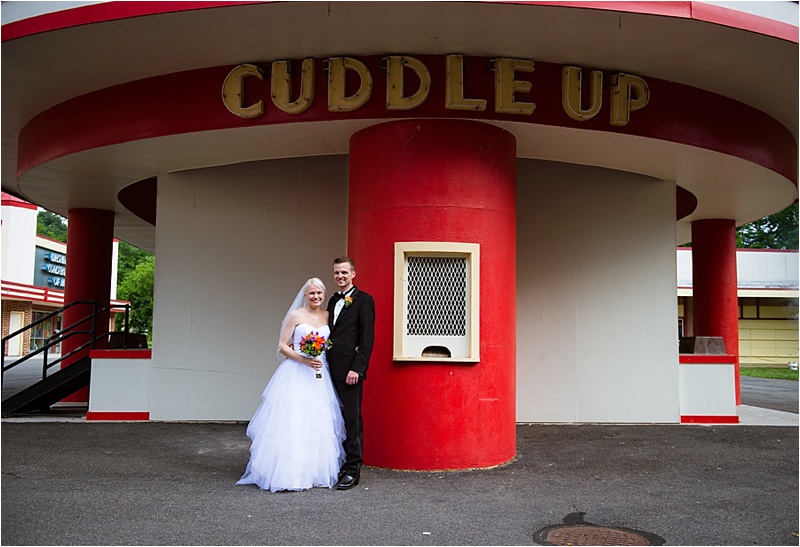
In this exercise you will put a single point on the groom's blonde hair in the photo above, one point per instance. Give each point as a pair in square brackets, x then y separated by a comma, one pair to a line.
[343, 259]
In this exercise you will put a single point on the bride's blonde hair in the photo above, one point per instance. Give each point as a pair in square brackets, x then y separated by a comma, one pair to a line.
[315, 281]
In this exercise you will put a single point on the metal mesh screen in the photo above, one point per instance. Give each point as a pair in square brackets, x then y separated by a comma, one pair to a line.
[437, 296]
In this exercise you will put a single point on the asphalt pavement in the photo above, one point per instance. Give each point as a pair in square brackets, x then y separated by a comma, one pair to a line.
[69, 482]
[768, 393]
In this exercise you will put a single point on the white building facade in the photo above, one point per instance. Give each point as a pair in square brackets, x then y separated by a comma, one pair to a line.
[561, 152]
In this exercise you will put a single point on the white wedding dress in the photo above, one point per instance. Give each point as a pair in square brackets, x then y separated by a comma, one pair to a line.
[297, 431]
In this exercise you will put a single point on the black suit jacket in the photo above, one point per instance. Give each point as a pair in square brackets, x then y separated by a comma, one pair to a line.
[352, 336]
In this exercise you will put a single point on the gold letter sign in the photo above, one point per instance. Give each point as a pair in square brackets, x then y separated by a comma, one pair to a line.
[337, 78]
[282, 86]
[233, 91]
[454, 87]
[395, 87]
[628, 93]
[571, 90]
[505, 86]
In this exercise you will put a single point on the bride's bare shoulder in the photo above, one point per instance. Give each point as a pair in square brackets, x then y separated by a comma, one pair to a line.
[294, 317]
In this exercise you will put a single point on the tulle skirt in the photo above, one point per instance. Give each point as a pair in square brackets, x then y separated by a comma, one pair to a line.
[297, 432]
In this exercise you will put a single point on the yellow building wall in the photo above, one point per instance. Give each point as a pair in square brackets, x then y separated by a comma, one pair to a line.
[768, 331]
[768, 342]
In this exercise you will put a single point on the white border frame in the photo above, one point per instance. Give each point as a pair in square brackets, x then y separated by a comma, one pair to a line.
[472, 252]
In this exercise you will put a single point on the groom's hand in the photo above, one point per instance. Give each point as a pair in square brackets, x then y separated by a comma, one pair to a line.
[352, 378]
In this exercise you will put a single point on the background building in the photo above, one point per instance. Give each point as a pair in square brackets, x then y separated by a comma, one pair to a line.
[768, 311]
[33, 271]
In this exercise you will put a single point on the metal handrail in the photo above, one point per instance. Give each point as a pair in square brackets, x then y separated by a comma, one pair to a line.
[62, 335]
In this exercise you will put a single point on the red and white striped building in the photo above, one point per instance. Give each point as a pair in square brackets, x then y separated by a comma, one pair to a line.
[33, 277]
[540, 159]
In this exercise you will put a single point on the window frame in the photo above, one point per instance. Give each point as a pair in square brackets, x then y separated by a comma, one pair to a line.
[470, 251]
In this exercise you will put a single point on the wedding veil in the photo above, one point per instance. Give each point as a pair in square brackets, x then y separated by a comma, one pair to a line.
[298, 302]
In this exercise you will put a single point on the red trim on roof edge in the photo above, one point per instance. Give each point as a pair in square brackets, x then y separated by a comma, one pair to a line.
[744, 21]
[110, 11]
[99, 13]
[12, 201]
[697, 11]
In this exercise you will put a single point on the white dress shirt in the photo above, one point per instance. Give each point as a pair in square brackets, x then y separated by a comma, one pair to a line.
[339, 306]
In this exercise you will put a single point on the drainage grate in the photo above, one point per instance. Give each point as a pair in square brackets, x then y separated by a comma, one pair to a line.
[584, 533]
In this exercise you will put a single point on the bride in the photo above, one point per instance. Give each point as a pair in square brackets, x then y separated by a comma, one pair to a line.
[297, 431]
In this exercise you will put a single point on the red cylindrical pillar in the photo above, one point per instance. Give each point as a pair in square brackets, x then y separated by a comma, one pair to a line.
[716, 304]
[90, 238]
[437, 181]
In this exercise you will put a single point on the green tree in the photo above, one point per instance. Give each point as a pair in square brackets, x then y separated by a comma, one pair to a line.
[778, 231]
[51, 225]
[128, 258]
[137, 288]
[135, 271]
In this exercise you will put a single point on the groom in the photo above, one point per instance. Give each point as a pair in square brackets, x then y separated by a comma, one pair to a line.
[351, 317]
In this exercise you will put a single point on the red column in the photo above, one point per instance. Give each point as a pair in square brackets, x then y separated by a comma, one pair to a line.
[90, 237]
[451, 181]
[716, 304]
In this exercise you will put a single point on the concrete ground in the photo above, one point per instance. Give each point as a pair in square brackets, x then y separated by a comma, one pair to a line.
[68, 482]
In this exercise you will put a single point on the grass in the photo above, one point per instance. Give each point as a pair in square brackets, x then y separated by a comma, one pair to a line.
[764, 372]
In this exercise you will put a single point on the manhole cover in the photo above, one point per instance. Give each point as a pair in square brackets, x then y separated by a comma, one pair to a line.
[593, 535]
[575, 531]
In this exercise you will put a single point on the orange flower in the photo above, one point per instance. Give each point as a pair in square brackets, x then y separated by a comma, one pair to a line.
[313, 345]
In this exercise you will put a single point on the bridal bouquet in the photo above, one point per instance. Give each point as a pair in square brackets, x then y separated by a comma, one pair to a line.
[313, 345]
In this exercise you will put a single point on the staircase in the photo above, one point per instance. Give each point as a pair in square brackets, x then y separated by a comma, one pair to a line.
[54, 387]
[43, 394]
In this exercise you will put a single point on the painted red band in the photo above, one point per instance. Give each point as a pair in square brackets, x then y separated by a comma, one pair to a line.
[686, 359]
[676, 113]
[121, 354]
[709, 419]
[117, 416]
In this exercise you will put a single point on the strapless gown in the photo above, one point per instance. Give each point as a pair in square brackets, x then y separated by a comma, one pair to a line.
[297, 431]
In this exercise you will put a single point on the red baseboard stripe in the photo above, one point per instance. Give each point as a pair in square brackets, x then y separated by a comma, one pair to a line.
[121, 354]
[709, 419]
[118, 416]
[702, 359]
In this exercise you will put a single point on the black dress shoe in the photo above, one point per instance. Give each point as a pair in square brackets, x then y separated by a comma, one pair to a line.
[348, 480]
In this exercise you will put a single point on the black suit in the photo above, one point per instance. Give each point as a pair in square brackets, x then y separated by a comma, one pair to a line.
[352, 336]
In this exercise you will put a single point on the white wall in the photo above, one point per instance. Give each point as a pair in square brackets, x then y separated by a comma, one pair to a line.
[18, 244]
[262, 229]
[755, 269]
[114, 268]
[597, 337]
[596, 277]
[771, 269]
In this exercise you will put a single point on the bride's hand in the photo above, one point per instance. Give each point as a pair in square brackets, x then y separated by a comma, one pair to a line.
[316, 364]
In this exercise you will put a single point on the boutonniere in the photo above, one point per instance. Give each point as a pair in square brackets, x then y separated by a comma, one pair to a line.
[347, 301]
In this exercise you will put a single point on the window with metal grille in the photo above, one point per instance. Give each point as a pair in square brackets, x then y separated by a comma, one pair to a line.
[437, 296]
